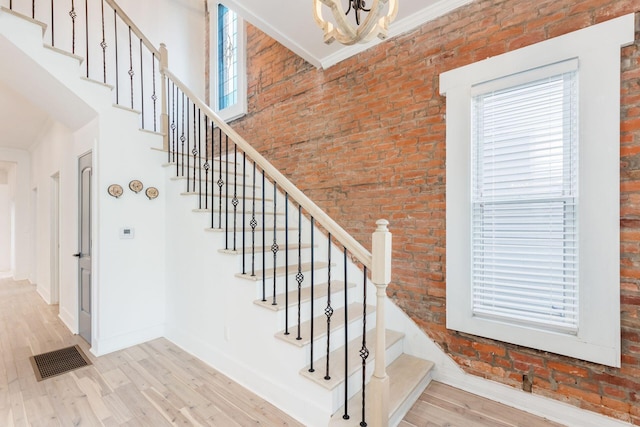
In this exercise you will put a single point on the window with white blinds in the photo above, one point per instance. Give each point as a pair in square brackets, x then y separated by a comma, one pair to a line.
[524, 234]
[533, 194]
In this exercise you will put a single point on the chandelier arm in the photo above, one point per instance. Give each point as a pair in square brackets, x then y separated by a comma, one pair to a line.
[344, 32]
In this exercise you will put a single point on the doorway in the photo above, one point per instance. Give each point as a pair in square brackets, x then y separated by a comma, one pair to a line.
[84, 246]
[55, 239]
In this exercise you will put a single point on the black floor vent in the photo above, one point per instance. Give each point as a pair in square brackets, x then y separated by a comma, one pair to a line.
[47, 365]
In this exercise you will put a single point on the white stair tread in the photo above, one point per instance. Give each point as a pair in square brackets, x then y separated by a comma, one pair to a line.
[320, 325]
[239, 229]
[319, 291]
[336, 359]
[408, 377]
[239, 211]
[260, 249]
[280, 271]
[225, 195]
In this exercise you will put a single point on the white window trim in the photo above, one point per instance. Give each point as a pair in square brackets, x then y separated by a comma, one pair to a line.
[240, 108]
[597, 49]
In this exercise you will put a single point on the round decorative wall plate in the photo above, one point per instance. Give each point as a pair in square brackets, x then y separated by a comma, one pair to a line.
[152, 193]
[135, 186]
[115, 190]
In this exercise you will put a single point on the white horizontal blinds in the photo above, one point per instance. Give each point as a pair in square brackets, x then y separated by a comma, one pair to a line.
[524, 202]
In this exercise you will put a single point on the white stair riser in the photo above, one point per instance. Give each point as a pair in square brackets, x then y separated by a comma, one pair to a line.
[355, 379]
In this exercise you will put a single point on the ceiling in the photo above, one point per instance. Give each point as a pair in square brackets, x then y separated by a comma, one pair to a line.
[20, 120]
[291, 23]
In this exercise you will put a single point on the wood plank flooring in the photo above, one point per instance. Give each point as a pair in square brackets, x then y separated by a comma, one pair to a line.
[157, 384]
[153, 384]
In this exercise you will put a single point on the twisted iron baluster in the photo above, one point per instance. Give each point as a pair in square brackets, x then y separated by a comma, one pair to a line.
[345, 416]
[220, 180]
[131, 72]
[199, 159]
[182, 139]
[274, 246]
[299, 275]
[154, 97]
[286, 263]
[235, 200]
[53, 21]
[313, 283]
[187, 144]
[328, 311]
[33, 9]
[253, 223]
[194, 151]
[86, 34]
[226, 192]
[103, 45]
[73, 15]
[206, 162]
[364, 352]
[142, 116]
[244, 210]
[115, 34]
[264, 243]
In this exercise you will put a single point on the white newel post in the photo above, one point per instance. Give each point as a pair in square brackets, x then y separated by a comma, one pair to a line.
[164, 115]
[381, 277]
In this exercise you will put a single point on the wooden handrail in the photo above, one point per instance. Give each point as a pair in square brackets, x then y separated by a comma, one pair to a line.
[133, 26]
[352, 245]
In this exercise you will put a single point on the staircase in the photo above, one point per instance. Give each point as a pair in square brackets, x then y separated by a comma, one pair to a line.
[258, 281]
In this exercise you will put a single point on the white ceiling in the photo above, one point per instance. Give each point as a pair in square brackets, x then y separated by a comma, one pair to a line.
[20, 120]
[291, 23]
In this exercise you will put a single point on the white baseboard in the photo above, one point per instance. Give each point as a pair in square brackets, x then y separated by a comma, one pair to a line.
[69, 320]
[102, 346]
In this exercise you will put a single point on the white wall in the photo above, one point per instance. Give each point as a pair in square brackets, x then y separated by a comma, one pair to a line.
[47, 156]
[19, 193]
[5, 222]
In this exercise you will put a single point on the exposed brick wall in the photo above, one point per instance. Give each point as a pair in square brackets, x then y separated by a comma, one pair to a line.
[365, 139]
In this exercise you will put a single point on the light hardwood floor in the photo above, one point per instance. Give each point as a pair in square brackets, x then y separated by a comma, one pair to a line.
[157, 384]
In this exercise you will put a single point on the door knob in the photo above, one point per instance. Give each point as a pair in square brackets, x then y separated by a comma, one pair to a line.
[77, 255]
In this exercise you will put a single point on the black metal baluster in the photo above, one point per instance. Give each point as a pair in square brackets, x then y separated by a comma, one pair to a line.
[194, 150]
[286, 263]
[115, 35]
[274, 246]
[299, 275]
[213, 174]
[253, 223]
[33, 9]
[187, 145]
[103, 45]
[73, 15]
[182, 140]
[170, 120]
[328, 311]
[86, 33]
[131, 72]
[206, 163]
[174, 126]
[346, 340]
[53, 21]
[142, 116]
[235, 201]
[364, 351]
[264, 243]
[199, 159]
[220, 180]
[313, 283]
[11, 4]
[244, 209]
[154, 97]
[226, 192]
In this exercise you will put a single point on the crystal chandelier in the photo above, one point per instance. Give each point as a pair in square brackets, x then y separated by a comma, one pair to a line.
[375, 24]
